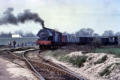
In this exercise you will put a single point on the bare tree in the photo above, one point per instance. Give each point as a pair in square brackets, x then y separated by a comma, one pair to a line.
[85, 32]
[117, 33]
[96, 35]
[3, 35]
[108, 33]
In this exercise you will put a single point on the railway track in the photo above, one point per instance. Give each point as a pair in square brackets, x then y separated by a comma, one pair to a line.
[45, 69]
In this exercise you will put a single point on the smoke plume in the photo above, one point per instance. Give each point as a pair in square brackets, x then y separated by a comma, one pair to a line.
[9, 18]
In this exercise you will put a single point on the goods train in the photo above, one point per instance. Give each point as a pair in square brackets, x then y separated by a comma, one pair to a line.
[51, 39]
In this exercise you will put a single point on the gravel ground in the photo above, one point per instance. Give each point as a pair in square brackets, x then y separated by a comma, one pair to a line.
[11, 71]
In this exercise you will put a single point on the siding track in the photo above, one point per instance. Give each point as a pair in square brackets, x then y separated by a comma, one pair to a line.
[44, 69]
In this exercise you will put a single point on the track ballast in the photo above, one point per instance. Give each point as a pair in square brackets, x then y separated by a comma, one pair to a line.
[45, 69]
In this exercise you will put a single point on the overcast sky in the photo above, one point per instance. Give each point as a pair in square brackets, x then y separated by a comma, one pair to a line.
[66, 15]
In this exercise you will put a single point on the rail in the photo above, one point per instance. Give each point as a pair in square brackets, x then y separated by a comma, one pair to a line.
[38, 67]
[28, 62]
[39, 75]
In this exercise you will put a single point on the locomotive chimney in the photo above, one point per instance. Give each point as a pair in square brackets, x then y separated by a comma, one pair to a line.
[43, 26]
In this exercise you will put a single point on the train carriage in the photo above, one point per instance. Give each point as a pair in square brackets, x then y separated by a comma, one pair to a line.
[86, 40]
[109, 40]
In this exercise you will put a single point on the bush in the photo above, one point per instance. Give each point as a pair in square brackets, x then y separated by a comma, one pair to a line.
[106, 71]
[64, 58]
[75, 60]
[103, 59]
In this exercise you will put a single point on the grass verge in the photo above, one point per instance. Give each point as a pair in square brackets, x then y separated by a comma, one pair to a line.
[74, 60]
[114, 51]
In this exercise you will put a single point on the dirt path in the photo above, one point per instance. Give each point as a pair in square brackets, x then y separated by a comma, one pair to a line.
[11, 71]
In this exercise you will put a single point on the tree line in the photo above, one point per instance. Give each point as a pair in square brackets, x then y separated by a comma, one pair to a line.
[88, 32]
[84, 32]
[9, 35]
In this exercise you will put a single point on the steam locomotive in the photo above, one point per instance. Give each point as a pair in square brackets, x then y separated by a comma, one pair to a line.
[51, 39]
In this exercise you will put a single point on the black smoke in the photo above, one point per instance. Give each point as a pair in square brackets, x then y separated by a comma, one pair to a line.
[9, 18]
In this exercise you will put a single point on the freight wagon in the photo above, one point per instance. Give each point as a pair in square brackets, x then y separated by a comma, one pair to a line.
[86, 40]
[72, 39]
[110, 40]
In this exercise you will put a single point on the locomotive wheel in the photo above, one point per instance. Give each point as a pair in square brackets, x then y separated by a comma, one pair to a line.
[39, 46]
[48, 46]
[51, 47]
[44, 47]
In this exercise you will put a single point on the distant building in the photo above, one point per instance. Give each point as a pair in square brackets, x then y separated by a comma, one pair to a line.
[5, 35]
[16, 36]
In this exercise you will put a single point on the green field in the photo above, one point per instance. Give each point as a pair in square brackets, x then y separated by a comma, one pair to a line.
[115, 51]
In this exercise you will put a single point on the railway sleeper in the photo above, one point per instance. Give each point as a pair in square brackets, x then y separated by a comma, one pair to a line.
[57, 71]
